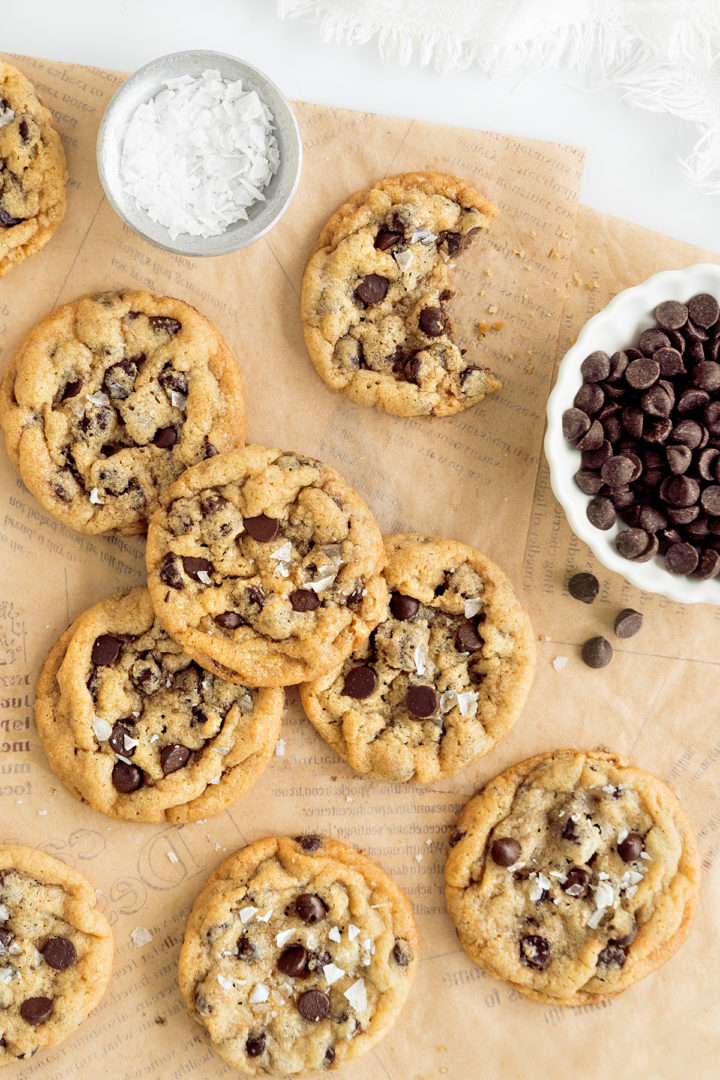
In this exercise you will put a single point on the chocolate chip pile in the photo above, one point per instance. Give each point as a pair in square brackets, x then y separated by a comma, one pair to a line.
[646, 421]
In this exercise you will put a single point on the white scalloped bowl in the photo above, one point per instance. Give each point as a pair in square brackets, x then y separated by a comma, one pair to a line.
[618, 326]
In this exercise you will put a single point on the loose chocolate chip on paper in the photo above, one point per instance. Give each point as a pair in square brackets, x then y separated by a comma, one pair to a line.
[505, 851]
[584, 587]
[628, 622]
[597, 652]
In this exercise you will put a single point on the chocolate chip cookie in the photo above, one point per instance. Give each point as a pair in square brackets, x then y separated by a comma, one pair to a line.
[110, 398]
[265, 566]
[374, 295]
[572, 876]
[55, 952]
[298, 956]
[444, 675]
[133, 727]
[33, 176]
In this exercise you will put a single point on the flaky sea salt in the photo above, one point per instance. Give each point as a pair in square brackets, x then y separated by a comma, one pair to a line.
[259, 994]
[560, 662]
[6, 114]
[283, 937]
[199, 154]
[472, 606]
[247, 913]
[140, 936]
[357, 996]
[103, 730]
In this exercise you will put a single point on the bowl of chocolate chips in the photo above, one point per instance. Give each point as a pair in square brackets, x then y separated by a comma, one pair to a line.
[633, 436]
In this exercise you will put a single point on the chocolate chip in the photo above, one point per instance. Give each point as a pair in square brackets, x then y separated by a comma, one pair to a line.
[709, 565]
[658, 401]
[681, 558]
[632, 543]
[170, 379]
[7, 220]
[589, 399]
[710, 500]
[170, 573]
[642, 373]
[627, 939]
[372, 289]
[671, 315]
[570, 830]
[689, 433]
[245, 949]
[704, 310]
[24, 131]
[6, 936]
[575, 423]
[584, 587]
[329, 1056]
[36, 1010]
[597, 652]
[387, 239]
[535, 952]
[651, 340]
[432, 321]
[72, 389]
[601, 512]
[106, 650]
[679, 458]
[404, 607]
[360, 682]
[208, 450]
[593, 437]
[117, 740]
[194, 566]
[304, 600]
[166, 438]
[505, 851]
[577, 883]
[467, 638]
[59, 953]
[611, 956]
[309, 843]
[262, 528]
[629, 849]
[119, 379]
[618, 471]
[173, 757]
[588, 481]
[310, 908]
[126, 778]
[422, 701]
[229, 620]
[166, 324]
[255, 1044]
[293, 961]
[628, 622]
[313, 1005]
[670, 361]
[596, 366]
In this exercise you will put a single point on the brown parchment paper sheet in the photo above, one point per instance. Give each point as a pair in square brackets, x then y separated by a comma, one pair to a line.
[477, 477]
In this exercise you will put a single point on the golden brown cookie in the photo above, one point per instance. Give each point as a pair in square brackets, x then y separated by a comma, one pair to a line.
[441, 679]
[265, 566]
[33, 176]
[374, 291]
[55, 952]
[110, 398]
[572, 875]
[298, 956]
[133, 727]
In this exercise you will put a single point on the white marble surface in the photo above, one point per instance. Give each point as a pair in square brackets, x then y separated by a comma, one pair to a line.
[632, 165]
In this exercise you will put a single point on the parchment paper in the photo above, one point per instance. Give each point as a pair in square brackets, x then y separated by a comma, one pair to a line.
[477, 477]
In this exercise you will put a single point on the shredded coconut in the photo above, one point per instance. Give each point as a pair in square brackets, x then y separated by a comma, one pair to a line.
[199, 154]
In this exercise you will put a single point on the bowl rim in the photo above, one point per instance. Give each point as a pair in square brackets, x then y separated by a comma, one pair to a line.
[637, 304]
[204, 56]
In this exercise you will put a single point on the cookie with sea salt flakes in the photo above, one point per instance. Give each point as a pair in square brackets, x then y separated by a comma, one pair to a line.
[265, 566]
[441, 679]
[374, 296]
[33, 176]
[298, 956]
[55, 952]
[133, 727]
[572, 875]
[110, 398]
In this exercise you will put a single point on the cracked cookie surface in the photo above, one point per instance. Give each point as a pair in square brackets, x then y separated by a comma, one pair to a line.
[133, 727]
[298, 956]
[442, 677]
[33, 176]
[374, 291]
[572, 875]
[265, 566]
[110, 398]
[55, 951]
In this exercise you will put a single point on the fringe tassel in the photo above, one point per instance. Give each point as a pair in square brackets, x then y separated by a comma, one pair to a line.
[664, 54]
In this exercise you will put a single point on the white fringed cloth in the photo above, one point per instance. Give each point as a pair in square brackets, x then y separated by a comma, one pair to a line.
[663, 54]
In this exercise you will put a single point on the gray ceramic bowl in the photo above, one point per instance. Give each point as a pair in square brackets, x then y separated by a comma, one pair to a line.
[144, 85]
